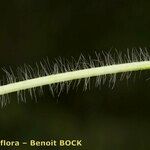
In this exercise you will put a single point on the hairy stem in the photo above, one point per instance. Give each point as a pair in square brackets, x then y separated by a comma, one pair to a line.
[73, 75]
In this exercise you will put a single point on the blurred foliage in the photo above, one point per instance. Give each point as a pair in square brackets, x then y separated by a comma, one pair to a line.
[105, 119]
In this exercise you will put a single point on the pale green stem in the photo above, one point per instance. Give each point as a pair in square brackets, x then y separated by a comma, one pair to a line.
[73, 75]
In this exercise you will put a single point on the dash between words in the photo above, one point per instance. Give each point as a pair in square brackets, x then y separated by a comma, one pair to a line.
[37, 143]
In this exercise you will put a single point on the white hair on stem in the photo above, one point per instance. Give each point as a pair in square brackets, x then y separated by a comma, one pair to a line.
[65, 74]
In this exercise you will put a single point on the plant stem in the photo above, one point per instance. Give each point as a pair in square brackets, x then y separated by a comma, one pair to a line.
[73, 75]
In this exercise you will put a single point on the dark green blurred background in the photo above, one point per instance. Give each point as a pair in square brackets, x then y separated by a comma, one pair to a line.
[105, 119]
